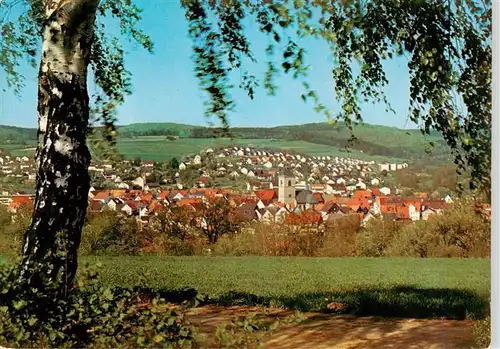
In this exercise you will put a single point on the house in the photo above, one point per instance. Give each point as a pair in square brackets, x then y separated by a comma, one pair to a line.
[280, 214]
[384, 167]
[255, 185]
[304, 217]
[427, 213]
[197, 160]
[385, 191]
[265, 215]
[366, 218]
[203, 182]
[431, 207]
[246, 212]
[306, 199]
[114, 204]
[19, 202]
[375, 182]
[128, 208]
[102, 196]
[96, 206]
[148, 163]
[266, 196]
[360, 185]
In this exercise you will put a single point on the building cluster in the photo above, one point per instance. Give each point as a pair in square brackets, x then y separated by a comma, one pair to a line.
[286, 203]
[280, 187]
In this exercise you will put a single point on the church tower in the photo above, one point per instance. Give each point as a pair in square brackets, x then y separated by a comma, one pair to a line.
[286, 185]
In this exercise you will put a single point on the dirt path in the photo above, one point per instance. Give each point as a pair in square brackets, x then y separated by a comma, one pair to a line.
[329, 331]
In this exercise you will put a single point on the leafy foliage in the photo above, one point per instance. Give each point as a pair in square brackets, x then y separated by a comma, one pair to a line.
[217, 218]
[482, 332]
[108, 233]
[91, 316]
[447, 45]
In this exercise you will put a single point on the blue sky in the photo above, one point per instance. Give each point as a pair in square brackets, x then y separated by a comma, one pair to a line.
[165, 88]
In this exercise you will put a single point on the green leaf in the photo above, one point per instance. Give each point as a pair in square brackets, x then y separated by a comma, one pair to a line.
[108, 295]
[158, 338]
[32, 321]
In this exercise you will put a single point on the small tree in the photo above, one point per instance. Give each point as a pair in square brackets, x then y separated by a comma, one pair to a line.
[175, 222]
[137, 161]
[217, 218]
[174, 164]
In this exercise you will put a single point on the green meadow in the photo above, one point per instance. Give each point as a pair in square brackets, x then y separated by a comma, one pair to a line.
[452, 287]
[160, 149]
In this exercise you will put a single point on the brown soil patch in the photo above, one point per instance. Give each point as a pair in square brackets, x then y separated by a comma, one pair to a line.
[329, 331]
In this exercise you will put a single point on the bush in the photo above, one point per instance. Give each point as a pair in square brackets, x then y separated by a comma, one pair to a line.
[271, 240]
[90, 316]
[110, 233]
[465, 231]
[373, 240]
[458, 232]
[340, 238]
[482, 330]
[414, 240]
[12, 230]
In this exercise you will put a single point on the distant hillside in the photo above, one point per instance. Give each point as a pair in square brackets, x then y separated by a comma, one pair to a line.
[16, 134]
[373, 140]
[157, 129]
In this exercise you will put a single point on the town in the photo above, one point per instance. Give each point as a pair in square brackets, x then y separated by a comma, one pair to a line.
[275, 186]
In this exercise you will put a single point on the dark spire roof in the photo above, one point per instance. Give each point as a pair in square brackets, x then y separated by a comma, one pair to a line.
[306, 197]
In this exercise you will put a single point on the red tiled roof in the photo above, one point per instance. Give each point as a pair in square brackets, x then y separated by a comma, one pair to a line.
[319, 197]
[19, 201]
[132, 204]
[266, 195]
[102, 195]
[147, 197]
[402, 212]
[117, 193]
[185, 202]
[96, 205]
[163, 194]
[306, 217]
[434, 204]
[415, 202]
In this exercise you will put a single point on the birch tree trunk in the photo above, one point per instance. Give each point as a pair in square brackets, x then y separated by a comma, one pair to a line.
[62, 156]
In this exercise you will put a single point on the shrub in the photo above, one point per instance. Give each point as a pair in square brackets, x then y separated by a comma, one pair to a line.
[338, 243]
[464, 231]
[12, 229]
[91, 316]
[373, 240]
[271, 240]
[482, 330]
[110, 233]
[414, 240]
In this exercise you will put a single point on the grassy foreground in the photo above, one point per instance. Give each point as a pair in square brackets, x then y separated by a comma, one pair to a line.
[452, 288]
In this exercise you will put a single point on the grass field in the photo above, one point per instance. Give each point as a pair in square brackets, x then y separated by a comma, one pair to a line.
[453, 288]
[159, 149]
